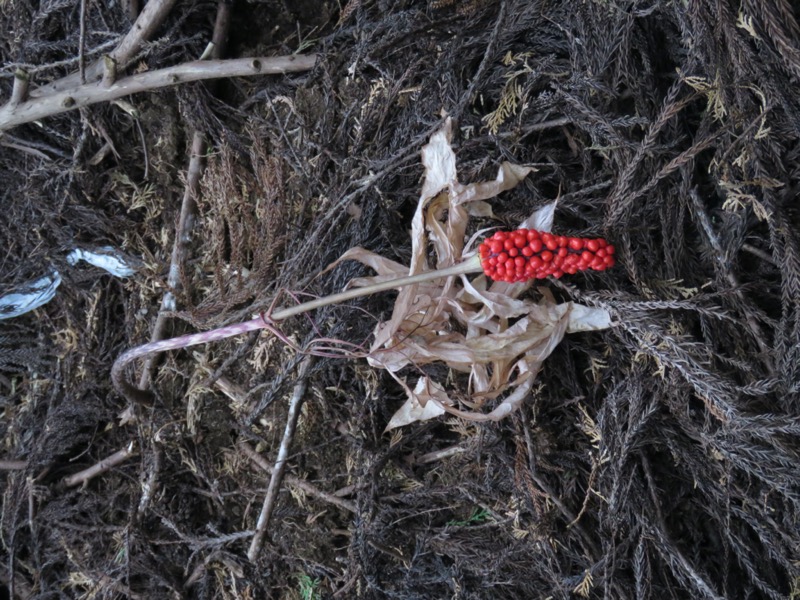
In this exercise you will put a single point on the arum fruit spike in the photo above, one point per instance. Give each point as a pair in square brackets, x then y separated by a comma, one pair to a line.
[524, 254]
[510, 256]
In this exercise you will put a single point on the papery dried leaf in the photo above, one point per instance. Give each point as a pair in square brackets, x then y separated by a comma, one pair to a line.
[421, 329]
[542, 219]
[380, 264]
[439, 161]
[538, 333]
[426, 401]
[509, 404]
[508, 177]
[447, 238]
[587, 318]
[495, 304]
[582, 318]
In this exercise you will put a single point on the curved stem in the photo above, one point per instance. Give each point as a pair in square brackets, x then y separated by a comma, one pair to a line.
[124, 387]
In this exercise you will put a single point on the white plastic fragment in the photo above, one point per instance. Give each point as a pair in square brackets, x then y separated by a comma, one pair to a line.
[37, 293]
[105, 258]
[30, 297]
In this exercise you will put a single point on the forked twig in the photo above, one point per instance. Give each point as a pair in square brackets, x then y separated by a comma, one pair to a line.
[104, 465]
[301, 484]
[39, 107]
[150, 19]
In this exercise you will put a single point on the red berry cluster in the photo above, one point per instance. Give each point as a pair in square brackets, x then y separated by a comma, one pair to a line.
[529, 254]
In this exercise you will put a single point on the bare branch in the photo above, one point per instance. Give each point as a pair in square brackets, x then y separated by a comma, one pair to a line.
[301, 484]
[104, 465]
[295, 404]
[39, 106]
[20, 91]
[149, 20]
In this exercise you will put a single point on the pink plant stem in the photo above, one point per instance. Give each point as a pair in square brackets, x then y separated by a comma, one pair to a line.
[124, 387]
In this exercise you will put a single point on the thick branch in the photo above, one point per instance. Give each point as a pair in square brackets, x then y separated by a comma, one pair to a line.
[38, 107]
[148, 21]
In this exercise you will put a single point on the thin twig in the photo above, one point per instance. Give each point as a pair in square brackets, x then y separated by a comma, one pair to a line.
[39, 107]
[295, 404]
[13, 465]
[759, 253]
[104, 465]
[301, 484]
[180, 247]
[723, 267]
[82, 43]
[186, 221]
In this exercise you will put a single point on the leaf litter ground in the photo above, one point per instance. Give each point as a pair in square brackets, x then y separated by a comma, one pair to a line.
[656, 458]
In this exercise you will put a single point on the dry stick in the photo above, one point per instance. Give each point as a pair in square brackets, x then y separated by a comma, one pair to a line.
[13, 465]
[104, 465]
[124, 387]
[180, 248]
[82, 43]
[302, 484]
[91, 93]
[755, 328]
[20, 90]
[150, 19]
[183, 234]
[295, 404]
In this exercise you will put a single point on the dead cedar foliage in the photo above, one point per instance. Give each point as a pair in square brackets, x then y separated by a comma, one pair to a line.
[655, 459]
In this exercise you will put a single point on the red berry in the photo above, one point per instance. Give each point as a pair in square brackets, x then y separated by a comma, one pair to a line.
[576, 243]
[528, 254]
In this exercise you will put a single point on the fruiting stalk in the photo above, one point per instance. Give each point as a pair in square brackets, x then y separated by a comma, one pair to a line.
[513, 256]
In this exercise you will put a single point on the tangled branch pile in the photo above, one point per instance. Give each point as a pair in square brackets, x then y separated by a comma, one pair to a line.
[654, 459]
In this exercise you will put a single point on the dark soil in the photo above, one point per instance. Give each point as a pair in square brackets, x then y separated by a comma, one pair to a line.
[658, 459]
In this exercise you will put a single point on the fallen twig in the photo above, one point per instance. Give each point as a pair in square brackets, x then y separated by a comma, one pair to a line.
[39, 106]
[13, 465]
[295, 404]
[301, 484]
[183, 233]
[154, 13]
[104, 465]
